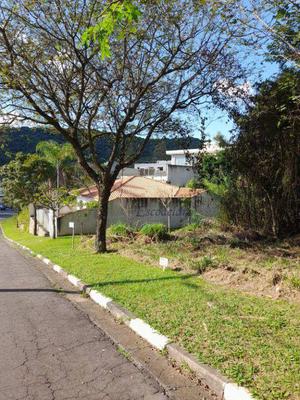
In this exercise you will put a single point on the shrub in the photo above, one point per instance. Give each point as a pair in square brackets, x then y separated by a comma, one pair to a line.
[295, 282]
[203, 264]
[23, 219]
[92, 204]
[189, 228]
[238, 243]
[120, 230]
[193, 184]
[201, 221]
[155, 231]
[196, 218]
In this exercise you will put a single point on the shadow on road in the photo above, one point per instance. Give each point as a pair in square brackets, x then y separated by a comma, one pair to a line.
[17, 290]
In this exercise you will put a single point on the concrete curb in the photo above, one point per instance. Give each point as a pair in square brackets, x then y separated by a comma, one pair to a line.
[99, 298]
[207, 374]
[120, 313]
[235, 392]
[224, 389]
[148, 333]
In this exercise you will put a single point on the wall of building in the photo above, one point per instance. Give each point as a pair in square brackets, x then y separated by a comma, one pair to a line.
[155, 170]
[179, 175]
[137, 212]
[205, 205]
[1, 194]
[174, 172]
[179, 159]
[84, 222]
[129, 172]
[44, 218]
[134, 212]
[155, 165]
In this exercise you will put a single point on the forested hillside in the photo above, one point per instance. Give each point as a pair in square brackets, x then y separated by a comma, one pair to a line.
[25, 140]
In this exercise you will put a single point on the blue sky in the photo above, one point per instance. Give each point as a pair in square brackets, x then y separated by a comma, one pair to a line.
[218, 121]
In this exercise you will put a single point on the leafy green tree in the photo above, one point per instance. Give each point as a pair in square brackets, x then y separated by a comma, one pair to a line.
[117, 17]
[60, 156]
[284, 31]
[265, 158]
[170, 60]
[53, 198]
[21, 179]
[271, 26]
[221, 141]
[215, 167]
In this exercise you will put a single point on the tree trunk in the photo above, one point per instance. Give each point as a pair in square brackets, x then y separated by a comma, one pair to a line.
[34, 221]
[273, 216]
[102, 214]
[54, 221]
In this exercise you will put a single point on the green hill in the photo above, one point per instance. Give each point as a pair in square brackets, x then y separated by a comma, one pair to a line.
[25, 139]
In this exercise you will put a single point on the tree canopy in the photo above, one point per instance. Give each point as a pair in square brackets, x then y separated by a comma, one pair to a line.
[21, 178]
[265, 157]
[176, 61]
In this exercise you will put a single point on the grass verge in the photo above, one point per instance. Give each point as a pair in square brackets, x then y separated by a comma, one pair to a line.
[254, 341]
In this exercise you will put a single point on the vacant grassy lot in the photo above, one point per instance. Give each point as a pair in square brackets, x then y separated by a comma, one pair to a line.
[253, 340]
[233, 259]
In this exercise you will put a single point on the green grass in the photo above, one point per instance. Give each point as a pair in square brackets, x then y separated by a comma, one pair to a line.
[252, 340]
[295, 282]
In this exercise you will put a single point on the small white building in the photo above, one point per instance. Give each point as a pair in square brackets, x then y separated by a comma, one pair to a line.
[180, 157]
[184, 157]
[154, 170]
[176, 171]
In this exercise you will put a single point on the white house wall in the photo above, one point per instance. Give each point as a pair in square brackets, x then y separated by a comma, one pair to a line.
[137, 212]
[43, 218]
[179, 175]
[179, 159]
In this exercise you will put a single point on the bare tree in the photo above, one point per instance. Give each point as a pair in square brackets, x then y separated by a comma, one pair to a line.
[271, 27]
[176, 61]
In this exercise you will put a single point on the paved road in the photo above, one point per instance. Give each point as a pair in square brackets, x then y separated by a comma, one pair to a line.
[6, 213]
[49, 350]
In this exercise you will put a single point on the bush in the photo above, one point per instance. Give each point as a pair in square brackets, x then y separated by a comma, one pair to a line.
[235, 243]
[203, 264]
[199, 220]
[295, 282]
[91, 204]
[23, 219]
[155, 231]
[193, 184]
[120, 230]
[189, 228]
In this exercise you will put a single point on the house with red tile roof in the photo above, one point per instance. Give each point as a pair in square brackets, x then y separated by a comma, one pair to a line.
[135, 200]
[134, 187]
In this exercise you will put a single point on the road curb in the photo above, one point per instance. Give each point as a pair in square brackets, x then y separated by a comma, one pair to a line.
[205, 373]
[223, 388]
[99, 298]
[120, 313]
[148, 333]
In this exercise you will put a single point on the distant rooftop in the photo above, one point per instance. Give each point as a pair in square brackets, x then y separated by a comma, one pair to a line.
[177, 152]
[132, 187]
[210, 148]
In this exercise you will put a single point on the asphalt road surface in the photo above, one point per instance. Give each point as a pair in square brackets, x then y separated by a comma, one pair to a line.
[6, 213]
[50, 350]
